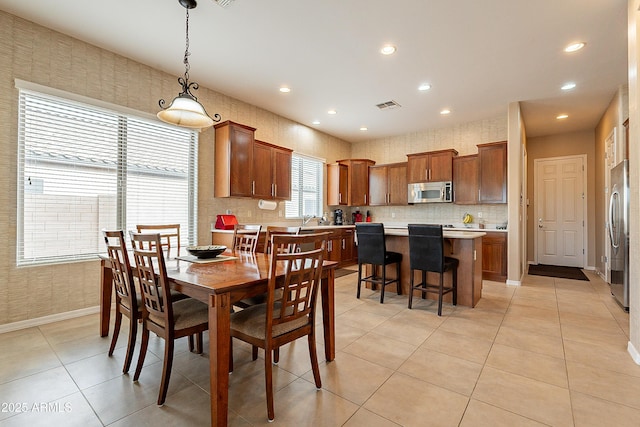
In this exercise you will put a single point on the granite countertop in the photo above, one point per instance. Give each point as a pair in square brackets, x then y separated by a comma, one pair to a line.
[448, 233]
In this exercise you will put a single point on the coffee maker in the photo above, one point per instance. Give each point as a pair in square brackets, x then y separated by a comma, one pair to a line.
[337, 217]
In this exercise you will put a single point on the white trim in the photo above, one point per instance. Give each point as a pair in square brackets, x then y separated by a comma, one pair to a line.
[308, 156]
[514, 282]
[46, 90]
[30, 323]
[633, 352]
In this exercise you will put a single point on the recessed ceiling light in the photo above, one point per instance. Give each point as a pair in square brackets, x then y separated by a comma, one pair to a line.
[363, 128]
[332, 112]
[424, 86]
[568, 86]
[445, 112]
[574, 47]
[388, 49]
[315, 122]
[562, 116]
[285, 89]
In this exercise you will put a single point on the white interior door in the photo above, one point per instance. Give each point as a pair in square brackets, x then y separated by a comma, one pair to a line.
[560, 201]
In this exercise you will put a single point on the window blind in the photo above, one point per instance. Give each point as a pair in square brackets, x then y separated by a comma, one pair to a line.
[83, 168]
[306, 187]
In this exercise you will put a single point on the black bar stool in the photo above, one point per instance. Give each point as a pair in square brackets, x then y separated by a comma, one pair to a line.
[372, 250]
[426, 253]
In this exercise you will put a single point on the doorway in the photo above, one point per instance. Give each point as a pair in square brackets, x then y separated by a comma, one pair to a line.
[560, 197]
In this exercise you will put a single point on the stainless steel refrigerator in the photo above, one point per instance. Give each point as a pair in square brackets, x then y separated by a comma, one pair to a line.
[619, 233]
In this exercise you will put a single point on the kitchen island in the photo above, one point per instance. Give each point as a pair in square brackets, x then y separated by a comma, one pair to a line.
[466, 246]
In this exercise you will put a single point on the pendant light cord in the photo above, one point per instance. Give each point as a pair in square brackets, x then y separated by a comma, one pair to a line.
[186, 49]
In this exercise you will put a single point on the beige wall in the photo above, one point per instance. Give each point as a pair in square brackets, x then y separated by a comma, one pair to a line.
[463, 138]
[634, 177]
[567, 144]
[36, 54]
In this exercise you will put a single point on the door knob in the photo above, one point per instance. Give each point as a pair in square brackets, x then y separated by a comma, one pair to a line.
[539, 222]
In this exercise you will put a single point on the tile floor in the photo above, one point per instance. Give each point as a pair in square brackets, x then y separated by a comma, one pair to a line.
[551, 352]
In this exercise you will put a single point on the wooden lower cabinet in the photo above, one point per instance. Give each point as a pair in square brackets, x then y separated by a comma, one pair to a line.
[341, 246]
[494, 256]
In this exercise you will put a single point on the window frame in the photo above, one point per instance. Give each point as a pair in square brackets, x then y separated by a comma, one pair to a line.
[122, 113]
[319, 194]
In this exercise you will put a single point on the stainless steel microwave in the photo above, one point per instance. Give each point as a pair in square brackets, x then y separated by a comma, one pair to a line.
[430, 192]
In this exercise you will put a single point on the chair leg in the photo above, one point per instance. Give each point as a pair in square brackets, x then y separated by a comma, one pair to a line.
[359, 280]
[230, 354]
[116, 332]
[314, 360]
[191, 346]
[455, 286]
[411, 280]
[199, 343]
[268, 373]
[276, 355]
[143, 352]
[399, 283]
[440, 290]
[166, 369]
[133, 331]
[424, 284]
[254, 352]
[384, 281]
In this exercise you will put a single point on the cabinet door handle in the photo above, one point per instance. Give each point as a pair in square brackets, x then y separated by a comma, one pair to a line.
[365, 199]
[343, 244]
[275, 190]
[339, 197]
[253, 187]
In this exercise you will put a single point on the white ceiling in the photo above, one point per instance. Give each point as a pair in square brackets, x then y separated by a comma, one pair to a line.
[478, 56]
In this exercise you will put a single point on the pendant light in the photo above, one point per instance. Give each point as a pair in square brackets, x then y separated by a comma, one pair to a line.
[185, 110]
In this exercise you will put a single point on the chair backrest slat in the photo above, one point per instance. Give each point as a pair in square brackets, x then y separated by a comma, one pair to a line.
[152, 275]
[426, 247]
[277, 231]
[245, 238]
[371, 243]
[166, 231]
[120, 267]
[302, 269]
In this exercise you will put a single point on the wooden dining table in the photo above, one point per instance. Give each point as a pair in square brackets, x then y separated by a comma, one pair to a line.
[220, 284]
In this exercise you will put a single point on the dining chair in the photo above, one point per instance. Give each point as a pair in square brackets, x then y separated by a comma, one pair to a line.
[372, 250]
[186, 317]
[245, 238]
[290, 314]
[167, 232]
[126, 295]
[276, 230]
[426, 253]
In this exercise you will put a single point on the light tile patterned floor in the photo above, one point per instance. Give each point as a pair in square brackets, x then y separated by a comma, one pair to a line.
[551, 352]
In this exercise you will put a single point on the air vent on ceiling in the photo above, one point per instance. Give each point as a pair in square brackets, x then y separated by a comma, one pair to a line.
[388, 105]
[224, 3]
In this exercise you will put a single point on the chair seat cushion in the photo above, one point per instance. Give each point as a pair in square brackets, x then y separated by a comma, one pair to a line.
[252, 321]
[450, 263]
[187, 312]
[391, 257]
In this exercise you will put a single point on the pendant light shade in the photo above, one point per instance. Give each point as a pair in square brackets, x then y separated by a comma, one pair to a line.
[185, 110]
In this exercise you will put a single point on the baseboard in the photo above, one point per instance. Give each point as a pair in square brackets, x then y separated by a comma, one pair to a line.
[30, 323]
[514, 282]
[590, 268]
[634, 353]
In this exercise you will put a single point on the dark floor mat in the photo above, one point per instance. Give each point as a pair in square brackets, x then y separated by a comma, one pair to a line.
[344, 271]
[573, 273]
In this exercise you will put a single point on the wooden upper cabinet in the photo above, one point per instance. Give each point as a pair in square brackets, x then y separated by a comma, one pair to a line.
[245, 167]
[465, 180]
[432, 166]
[388, 184]
[337, 184]
[271, 171]
[492, 172]
[233, 160]
[358, 181]
[262, 171]
[282, 173]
